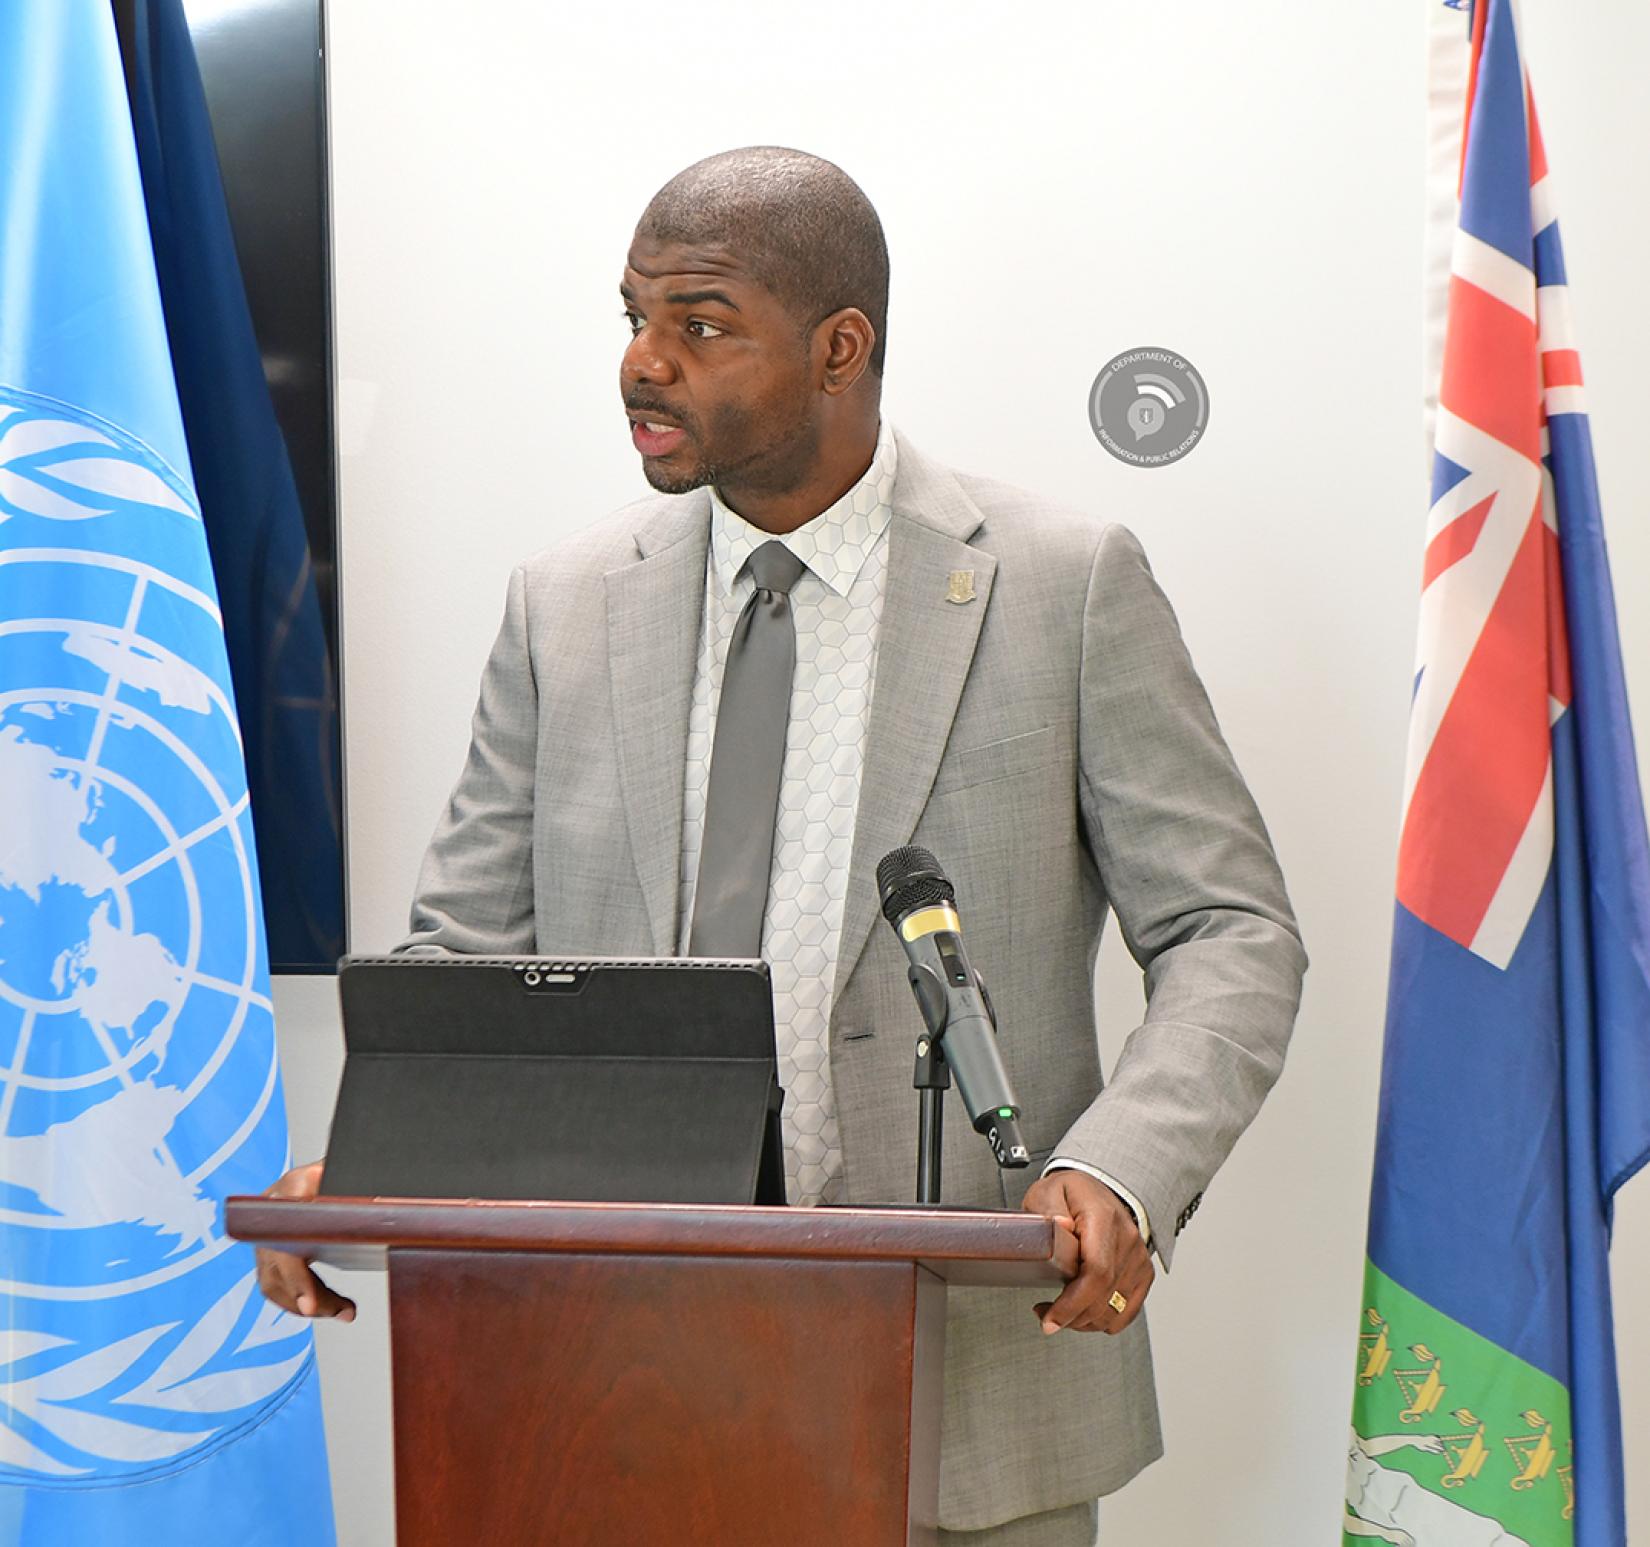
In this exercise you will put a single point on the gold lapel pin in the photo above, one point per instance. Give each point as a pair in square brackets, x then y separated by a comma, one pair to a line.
[961, 588]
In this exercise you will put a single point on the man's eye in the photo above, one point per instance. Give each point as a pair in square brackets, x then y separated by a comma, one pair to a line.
[699, 328]
[633, 321]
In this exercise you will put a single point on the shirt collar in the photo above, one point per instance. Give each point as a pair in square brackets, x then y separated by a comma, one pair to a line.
[834, 545]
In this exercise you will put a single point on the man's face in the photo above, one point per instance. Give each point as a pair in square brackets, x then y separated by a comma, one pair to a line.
[716, 379]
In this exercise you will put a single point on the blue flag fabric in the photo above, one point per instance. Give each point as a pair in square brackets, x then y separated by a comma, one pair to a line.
[279, 659]
[147, 1392]
[1515, 1087]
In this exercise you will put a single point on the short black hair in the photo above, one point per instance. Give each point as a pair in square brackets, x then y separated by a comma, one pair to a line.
[804, 227]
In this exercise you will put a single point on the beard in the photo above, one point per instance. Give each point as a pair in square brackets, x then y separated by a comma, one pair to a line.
[675, 480]
[740, 450]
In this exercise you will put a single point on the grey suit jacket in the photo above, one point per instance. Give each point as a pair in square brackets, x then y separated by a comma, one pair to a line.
[1051, 743]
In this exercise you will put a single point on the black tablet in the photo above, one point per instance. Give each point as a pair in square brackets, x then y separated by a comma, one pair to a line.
[608, 1079]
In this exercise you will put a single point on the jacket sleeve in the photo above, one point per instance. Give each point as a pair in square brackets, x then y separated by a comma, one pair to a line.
[1191, 876]
[475, 887]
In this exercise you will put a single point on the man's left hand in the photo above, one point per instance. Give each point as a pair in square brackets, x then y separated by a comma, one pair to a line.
[1111, 1255]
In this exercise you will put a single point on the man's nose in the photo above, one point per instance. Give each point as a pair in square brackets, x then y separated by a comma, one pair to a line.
[644, 361]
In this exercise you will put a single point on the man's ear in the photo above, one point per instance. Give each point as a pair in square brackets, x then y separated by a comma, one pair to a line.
[844, 341]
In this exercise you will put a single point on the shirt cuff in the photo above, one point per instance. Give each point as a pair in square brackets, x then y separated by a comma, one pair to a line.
[1135, 1207]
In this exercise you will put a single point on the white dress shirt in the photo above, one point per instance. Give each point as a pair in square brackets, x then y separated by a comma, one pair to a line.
[837, 607]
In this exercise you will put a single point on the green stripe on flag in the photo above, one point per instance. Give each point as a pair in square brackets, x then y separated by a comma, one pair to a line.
[1485, 1435]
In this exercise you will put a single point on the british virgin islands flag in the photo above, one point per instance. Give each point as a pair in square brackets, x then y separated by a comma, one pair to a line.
[148, 1395]
[1515, 1088]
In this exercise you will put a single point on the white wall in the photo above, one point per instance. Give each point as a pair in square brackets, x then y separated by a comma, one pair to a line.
[1242, 183]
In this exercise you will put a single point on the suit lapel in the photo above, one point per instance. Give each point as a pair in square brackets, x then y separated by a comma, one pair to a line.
[654, 613]
[926, 648]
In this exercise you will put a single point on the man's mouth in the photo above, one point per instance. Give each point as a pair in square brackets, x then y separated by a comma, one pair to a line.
[656, 437]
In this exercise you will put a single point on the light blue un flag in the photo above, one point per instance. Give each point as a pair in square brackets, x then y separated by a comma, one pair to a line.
[148, 1394]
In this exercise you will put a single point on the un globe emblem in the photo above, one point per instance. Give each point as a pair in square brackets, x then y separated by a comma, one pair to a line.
[138, 1076]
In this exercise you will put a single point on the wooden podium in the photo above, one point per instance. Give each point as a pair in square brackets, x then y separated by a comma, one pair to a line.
[641, 1375]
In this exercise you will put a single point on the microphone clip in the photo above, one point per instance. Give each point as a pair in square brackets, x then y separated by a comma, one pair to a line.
[931, 1079]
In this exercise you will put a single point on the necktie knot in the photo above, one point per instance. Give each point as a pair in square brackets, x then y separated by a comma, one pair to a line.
[775, 568]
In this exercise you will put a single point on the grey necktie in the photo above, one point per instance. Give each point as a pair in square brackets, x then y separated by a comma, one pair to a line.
[746, 761]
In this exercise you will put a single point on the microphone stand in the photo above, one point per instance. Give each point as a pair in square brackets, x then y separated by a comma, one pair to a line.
[931, 1080]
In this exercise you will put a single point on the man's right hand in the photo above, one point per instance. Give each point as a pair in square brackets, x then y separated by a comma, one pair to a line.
[284, 1277]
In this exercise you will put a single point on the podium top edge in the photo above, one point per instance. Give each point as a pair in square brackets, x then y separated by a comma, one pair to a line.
[317, 1227]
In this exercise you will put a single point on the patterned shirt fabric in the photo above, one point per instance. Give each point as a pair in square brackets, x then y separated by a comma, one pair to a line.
[837, 606]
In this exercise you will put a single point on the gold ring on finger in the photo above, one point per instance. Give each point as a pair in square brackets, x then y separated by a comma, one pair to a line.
[1118, 1301]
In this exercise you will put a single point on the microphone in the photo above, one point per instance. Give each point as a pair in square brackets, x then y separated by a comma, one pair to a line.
[920, 902]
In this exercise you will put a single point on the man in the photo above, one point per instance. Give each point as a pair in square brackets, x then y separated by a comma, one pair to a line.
[957, 664]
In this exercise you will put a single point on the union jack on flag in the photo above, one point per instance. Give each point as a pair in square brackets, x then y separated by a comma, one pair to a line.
[1515, 1088]
[1493, 673]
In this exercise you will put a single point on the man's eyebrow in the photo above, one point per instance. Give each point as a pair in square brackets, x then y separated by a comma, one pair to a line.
[687, 297]
[696, 297]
